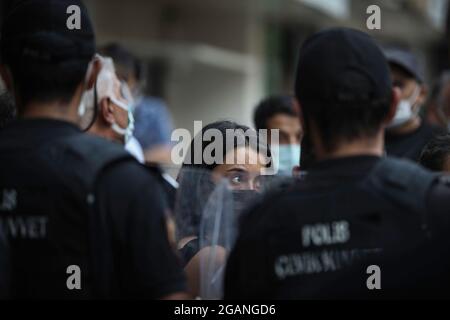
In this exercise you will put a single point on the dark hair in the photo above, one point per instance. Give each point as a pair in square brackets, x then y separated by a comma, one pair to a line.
[196, 184]
[338, 121]
[47, 83]
[434, 154]
[7, 109]
[270, 107]
[403, 71]
[47, 60]
[343, 85]
[249, 136]
[126, 63]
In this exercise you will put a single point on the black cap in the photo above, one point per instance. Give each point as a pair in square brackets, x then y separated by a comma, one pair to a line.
[342, 65]
[406, 60]
[37, 30]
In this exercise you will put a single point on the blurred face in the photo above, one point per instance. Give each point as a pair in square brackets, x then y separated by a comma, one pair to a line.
[407, 85]
[290, 130]
[241, 176]
[446, 166]
[444, 105]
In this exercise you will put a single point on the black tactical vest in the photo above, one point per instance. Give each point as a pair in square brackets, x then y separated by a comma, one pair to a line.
[52, 219]
[322, 227]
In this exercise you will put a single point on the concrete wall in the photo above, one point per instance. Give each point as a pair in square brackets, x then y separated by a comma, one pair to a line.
[214, 53]
[216, 49]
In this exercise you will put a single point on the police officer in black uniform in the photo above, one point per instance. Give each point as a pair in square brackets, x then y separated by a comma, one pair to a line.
[354, 204]
[83, 218]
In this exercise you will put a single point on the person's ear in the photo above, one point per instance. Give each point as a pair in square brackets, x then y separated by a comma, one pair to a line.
[395, 99]
[107, 111]
[423, 95]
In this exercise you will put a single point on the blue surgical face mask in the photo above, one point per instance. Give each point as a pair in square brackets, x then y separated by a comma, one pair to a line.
[288, 157]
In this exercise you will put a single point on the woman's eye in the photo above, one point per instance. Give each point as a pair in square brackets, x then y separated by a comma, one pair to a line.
[236, 179]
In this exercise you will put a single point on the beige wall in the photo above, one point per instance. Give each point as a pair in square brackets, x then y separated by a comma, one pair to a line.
[215, 48]
[214, 52]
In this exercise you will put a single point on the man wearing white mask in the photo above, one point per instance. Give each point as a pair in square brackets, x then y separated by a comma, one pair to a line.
[279, 113]
[82, 204]
[407, 133]
[114, 119]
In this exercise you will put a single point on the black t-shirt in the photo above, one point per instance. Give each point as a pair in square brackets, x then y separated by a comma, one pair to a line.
[295, 241]
[189, 250]
[43, 244]
[410, 145]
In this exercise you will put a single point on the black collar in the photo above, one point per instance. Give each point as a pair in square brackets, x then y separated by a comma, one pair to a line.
[354, 165]
[38, 129]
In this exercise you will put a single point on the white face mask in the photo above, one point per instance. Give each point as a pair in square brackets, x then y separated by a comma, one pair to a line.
[405, 110]
[82, 106]
[104, 88]
[128, 131]
[287, 157]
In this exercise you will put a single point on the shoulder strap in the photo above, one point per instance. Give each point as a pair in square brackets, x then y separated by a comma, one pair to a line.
[404, 183]
[96, 155]
[168, 184]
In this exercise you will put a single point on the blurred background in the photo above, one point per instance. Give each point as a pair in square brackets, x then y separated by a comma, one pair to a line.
[215, 59]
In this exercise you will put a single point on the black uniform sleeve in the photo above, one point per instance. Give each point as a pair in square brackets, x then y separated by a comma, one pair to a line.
[438, 203]
[235, 286]
[146, 264]
[247, 276]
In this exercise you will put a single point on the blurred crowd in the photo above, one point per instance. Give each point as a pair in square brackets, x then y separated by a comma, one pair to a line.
[360, 154]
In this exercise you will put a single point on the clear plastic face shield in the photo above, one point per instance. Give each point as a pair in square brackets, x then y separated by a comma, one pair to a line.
[204, 215]
[208, 212]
